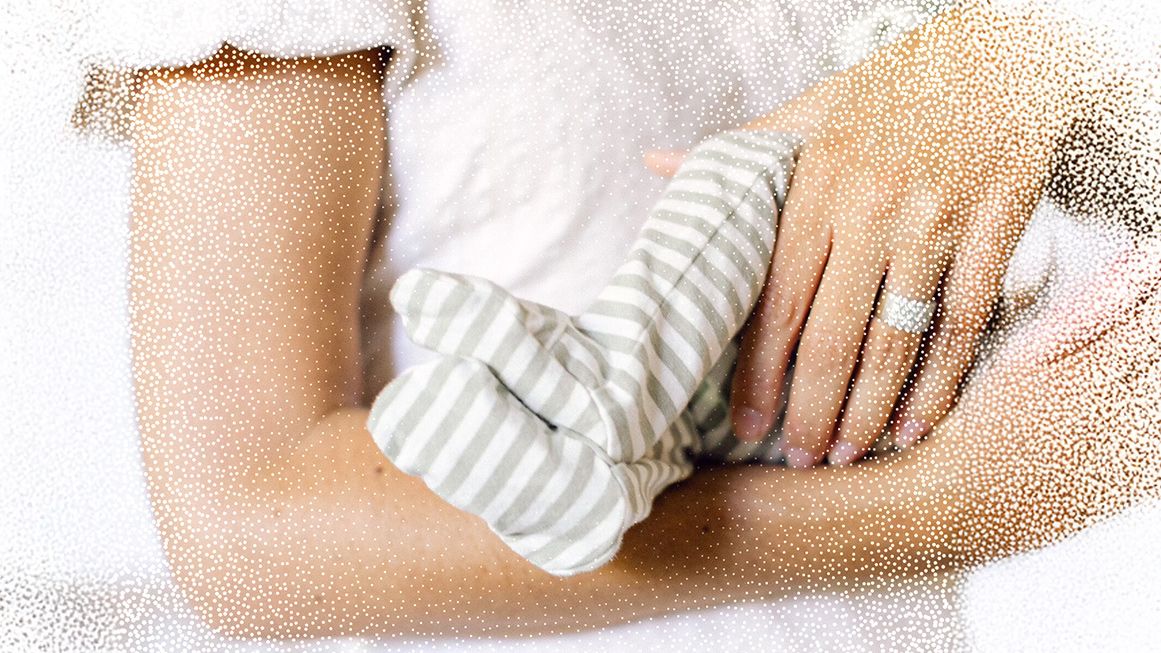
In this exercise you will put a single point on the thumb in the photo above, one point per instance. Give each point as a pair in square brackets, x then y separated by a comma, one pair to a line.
[665, 162]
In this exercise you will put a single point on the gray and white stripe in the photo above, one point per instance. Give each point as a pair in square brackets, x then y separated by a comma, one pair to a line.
[559, 431]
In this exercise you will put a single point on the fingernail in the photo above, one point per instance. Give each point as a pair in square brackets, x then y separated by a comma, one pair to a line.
[799, 458]
[910, 432]
[751, 425]
[842, 453]
[780, 444]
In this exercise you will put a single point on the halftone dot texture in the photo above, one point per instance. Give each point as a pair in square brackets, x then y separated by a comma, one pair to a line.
[576, 424]
[514, 137]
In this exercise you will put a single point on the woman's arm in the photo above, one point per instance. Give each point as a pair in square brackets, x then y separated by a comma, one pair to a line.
[254, 193]
[255, 188]
[1060, 430]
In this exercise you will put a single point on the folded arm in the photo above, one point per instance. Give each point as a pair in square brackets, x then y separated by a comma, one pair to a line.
[255, 187]
[254, 195]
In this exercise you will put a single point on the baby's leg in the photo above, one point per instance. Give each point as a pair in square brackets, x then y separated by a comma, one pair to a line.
[709, 411]
[656, 331]
[619, 377]
[549, 494]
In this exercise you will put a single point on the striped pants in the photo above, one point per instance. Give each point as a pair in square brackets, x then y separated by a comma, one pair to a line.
[560, 430]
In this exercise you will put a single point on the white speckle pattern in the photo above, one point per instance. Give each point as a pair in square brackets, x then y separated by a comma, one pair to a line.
[513, 151]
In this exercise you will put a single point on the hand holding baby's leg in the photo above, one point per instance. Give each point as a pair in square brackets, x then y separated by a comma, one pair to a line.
[642, 349]
[603, 395]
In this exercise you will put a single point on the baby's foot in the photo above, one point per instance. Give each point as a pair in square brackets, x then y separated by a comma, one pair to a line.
[598, 399]
[549, 494]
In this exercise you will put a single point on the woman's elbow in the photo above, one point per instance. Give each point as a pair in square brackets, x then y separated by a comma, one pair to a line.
[239, 592]
[230, 591]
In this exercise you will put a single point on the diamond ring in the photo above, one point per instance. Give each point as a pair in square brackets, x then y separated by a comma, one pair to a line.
[904, 313]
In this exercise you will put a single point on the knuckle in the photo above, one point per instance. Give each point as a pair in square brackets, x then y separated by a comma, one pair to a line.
[889, 352]
[923, 239]
[825, 351]
[783, 311]
[936, 236]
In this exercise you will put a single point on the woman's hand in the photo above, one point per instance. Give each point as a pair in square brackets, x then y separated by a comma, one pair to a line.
[1055, 430]
[921, 168]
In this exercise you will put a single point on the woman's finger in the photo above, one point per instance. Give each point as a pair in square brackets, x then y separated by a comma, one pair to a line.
[973, 283]
[829, 348]
[888, 353]
[665, 162]
[903, 313]
[800, 253]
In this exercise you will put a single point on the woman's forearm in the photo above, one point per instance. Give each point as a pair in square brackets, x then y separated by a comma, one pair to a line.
[347, 544]
[337, 541]
[1039, 447]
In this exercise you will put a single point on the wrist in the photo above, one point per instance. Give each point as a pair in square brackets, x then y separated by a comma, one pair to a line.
[1023, 63]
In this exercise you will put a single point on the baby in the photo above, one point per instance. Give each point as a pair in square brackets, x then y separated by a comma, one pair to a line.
[559, 430]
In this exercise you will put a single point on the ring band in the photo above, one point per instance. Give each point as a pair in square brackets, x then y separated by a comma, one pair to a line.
[904, 313]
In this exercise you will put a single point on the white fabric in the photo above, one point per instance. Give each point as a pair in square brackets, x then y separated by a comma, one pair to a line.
[516, 147]
[140, 33]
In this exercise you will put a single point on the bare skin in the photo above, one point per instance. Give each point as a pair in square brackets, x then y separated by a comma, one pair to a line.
[255, 186]
[921, 169]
